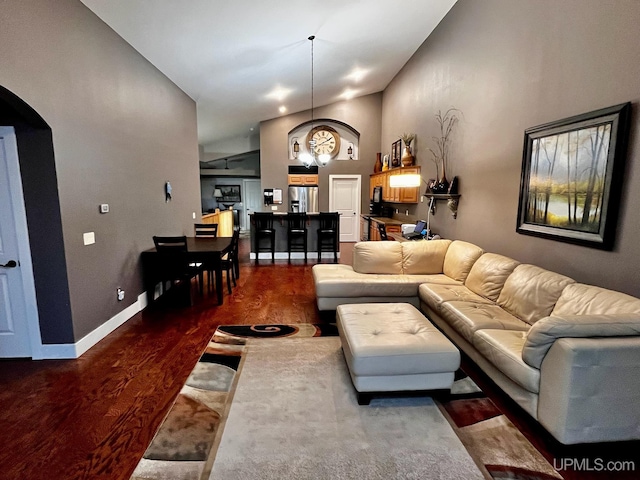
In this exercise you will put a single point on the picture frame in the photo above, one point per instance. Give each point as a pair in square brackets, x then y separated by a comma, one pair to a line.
[396, 152]
[230, 194]
[572, 171]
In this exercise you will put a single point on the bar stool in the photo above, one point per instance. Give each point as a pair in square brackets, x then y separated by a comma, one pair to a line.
[263, 222]
[328, 234]
[297, 230]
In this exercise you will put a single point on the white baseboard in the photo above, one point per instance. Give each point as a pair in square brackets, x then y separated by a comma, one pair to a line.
[75, 350]
[294, 255]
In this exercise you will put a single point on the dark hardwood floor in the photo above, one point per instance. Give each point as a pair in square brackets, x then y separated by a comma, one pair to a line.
[92, 418]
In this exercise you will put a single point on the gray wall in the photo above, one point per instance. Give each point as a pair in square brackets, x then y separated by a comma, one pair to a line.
[362, 113]
[509, 66]
[120, 130]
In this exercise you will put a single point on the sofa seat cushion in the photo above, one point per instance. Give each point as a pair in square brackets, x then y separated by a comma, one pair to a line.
[531, 292]
[435, 295]
[468, 317]
[581, 299]
[489, 273]
[503, 348]
[335, 280]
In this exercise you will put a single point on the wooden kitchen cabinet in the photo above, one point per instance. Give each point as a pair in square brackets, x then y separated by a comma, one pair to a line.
[303, 179]
[374, 233]
[395, 195]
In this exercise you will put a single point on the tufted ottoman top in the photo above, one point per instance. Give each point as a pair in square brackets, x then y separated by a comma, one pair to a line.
[393, 339]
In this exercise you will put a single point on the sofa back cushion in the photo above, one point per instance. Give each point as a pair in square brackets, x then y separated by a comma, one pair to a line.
[531, 292]
[488, 274]
[459, 259]
[377, 257]
[424, 257]
[581, 299]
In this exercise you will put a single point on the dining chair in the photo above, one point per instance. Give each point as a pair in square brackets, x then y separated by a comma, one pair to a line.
[206, 229]
[328, 234]
[230, 260]
[176, 266]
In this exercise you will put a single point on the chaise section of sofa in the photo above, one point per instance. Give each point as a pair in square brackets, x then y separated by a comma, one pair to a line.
[385, 272]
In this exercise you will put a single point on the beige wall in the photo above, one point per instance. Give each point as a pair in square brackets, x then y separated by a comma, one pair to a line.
[120, 131]
[509, 66]
[362, 113]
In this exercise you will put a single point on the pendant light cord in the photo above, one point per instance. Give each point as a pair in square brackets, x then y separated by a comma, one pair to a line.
[312, 38]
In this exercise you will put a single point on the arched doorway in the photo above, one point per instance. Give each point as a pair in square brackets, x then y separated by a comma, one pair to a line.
[44, 239]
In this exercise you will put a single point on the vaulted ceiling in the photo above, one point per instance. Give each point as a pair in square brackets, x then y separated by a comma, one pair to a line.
[245, 61]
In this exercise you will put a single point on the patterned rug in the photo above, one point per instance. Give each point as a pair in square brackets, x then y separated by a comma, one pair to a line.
[186, 443]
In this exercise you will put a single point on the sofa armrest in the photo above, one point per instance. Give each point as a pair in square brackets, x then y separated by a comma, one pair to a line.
[590, 390]
[546, 331]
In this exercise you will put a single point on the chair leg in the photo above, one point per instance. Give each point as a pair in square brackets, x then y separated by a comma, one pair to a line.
[273, 249]
[229, 282]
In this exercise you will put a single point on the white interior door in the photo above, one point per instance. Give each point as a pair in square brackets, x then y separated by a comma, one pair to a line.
[252, 200]
[16, 275]
[344, 198]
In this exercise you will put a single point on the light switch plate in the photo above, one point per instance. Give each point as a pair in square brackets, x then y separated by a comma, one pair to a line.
[274, 208]
[89, 238]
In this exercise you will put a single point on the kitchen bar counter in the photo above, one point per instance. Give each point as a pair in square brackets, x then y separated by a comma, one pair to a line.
[280, 226]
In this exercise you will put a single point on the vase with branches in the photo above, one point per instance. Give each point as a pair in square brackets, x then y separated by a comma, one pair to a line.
[447, 123]
[407, 157]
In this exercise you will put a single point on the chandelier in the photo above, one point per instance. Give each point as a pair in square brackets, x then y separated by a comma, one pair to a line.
[312, 157]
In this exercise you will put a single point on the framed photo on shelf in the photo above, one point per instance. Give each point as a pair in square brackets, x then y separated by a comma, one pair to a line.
[572, 174]
[396, 152]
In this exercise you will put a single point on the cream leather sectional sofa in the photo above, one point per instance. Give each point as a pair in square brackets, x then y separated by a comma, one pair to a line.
[567, 353]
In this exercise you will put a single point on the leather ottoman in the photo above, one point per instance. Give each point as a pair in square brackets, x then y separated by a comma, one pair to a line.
[392, 347]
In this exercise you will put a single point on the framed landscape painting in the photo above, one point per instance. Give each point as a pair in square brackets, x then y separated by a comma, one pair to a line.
[571, 178]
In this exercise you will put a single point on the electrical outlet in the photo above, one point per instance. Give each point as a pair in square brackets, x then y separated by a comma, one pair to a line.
[396, 210]
[104, 208]
[120, 294]
[406, 212]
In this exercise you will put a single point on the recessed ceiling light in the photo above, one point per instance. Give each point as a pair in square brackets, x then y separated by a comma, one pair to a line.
[357, 74]
[282, 109]
[279, 93]
[348, 94]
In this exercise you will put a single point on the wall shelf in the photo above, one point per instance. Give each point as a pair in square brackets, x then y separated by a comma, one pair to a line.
[451, 198]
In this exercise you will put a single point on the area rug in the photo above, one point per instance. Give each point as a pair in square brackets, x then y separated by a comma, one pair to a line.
[187, 443]
[490, 437]
[238, 334]
[295, 416]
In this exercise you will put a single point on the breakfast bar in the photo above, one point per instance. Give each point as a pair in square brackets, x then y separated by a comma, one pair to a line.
[280, 227]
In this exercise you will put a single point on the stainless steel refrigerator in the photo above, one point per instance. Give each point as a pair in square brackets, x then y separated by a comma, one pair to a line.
[303, 199]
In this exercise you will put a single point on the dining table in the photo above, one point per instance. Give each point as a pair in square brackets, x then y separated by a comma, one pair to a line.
[208, 250]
